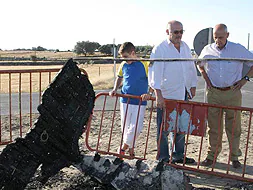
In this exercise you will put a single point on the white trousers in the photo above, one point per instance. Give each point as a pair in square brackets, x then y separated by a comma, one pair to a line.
[130, 123]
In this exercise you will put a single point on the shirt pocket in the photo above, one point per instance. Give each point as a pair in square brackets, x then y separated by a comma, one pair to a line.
[233, 67]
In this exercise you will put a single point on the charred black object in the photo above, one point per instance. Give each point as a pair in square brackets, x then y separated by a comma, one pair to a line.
[53, 142]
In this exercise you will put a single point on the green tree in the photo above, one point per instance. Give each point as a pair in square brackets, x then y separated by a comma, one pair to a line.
[106, 49]
[85, 47]
[39, 48]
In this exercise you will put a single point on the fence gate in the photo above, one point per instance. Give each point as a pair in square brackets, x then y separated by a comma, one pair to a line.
[185, 117]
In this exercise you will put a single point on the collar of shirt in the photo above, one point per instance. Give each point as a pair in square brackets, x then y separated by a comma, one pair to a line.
[225, 47]
[170, 43]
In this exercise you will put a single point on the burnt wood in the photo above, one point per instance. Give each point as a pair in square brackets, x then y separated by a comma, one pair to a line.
[66, 106]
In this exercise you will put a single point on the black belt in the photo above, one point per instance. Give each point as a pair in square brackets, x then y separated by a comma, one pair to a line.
[223, 88]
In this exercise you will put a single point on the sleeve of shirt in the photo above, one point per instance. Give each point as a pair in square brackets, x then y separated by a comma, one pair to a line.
[146, 66]
[120, 73]
[156, 70]
[202, 55]
[193, 72]
[246, 54]
[194, 75]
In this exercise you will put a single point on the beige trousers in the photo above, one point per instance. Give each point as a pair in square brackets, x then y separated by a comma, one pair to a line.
[226, 98]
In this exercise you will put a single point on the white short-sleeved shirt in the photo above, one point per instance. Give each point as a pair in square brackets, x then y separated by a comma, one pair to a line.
[172, 78]
[225, 73]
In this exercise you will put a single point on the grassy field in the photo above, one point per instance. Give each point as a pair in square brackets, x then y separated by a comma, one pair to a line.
[100, 75]
[39, 54]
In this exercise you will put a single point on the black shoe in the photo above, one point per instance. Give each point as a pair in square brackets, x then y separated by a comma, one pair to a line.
[207, 162]
[236, 164]
[187, 161]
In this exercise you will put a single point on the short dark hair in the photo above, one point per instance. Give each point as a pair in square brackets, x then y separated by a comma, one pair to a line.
[126, 47]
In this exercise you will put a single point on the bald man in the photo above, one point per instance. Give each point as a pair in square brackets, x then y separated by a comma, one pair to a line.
[172, 80]
[224, 80]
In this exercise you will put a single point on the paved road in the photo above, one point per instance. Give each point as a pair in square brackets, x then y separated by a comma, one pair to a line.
[247, 92]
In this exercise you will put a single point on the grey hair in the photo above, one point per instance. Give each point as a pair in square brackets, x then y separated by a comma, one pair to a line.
[224, 26]
[173, 22]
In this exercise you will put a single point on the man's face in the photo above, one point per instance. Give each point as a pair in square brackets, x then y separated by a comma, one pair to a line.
[220, 37]
[175, 33]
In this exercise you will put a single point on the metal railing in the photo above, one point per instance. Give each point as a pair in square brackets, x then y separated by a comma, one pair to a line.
[13, 114]
[107, 136]
[24, 120]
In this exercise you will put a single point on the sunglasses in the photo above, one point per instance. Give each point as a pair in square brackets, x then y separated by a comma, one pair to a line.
[178, 31]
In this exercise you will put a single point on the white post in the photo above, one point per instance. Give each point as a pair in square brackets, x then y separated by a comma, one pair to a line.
[210, 35]
[114, 62]
[210, 32]
[248, 40]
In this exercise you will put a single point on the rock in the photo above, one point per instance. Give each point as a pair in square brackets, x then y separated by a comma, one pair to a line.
[133, 174]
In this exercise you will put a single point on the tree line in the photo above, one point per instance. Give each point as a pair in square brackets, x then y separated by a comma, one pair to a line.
[87, 47]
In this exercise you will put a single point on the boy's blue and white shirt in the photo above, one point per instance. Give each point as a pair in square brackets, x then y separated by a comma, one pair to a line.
[135, 80]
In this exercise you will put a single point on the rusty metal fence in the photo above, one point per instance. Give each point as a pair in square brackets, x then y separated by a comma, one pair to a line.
[105, 127]
[17, 104]
[105, 123]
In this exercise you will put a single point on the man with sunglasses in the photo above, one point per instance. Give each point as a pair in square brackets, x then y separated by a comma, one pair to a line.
[224, 80]
[172, 80]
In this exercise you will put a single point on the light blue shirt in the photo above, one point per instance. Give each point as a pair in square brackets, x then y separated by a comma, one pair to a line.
[225, 73]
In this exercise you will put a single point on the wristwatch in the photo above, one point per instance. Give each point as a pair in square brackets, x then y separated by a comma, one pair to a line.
[246, 78]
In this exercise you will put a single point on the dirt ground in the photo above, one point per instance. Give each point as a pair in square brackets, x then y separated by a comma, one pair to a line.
[71, 178]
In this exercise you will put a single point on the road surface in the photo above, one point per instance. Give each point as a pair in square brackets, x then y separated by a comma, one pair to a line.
[247, 93]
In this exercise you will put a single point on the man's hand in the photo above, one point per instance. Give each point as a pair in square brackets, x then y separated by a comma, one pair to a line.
[208, 84]
[193, 92]
[239, 84]
[160, 103]
[204, 74]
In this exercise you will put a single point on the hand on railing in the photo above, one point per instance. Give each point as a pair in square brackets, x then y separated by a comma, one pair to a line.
[145, 97]
[113, 92]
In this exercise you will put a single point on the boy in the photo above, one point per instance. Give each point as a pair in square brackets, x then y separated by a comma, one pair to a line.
[134, 75]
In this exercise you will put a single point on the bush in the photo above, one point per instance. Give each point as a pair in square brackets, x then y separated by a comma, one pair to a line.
[33, 57]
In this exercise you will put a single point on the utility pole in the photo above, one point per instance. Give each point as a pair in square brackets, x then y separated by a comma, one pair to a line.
[114, 62]
[210, 36]
[248, 40]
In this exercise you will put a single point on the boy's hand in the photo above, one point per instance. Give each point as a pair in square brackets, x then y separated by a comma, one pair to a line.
[112, 93]
[145, 97]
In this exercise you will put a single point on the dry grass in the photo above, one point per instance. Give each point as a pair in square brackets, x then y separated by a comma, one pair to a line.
[39, 54]
[100, 75]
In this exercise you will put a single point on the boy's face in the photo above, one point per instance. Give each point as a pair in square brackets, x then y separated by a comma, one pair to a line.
[128, 55]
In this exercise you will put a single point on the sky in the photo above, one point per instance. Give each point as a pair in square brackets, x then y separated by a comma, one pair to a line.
[60, 24]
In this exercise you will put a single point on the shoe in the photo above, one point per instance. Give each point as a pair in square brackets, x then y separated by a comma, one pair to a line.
[236, 164]
[121, 152]
[131, 152]
[207, 162]
[187, 161]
